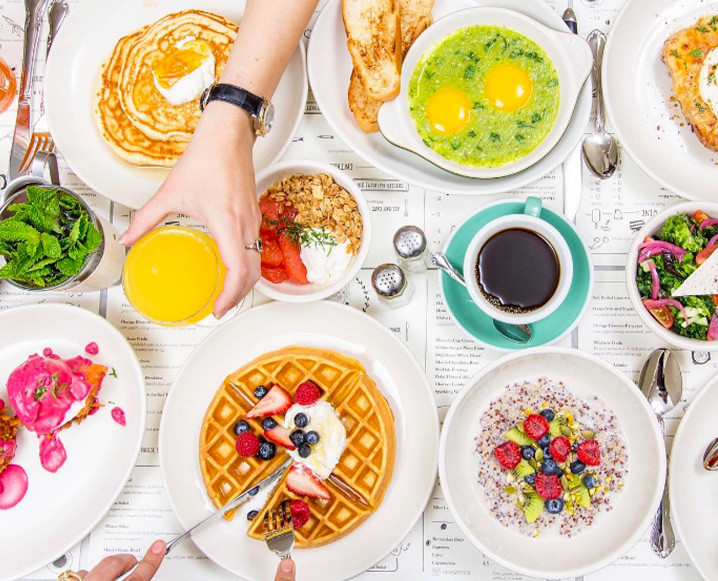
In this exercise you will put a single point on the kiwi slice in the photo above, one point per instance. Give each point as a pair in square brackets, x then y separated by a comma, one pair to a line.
[583, 498]
[518, 437]
[532, 506]
[554, 428]
[522, 469]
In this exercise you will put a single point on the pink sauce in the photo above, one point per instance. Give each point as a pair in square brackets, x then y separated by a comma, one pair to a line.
[92, 348]
[47, 352]
[13, 486]
[52, 453]
[118, 414]
[7, 449]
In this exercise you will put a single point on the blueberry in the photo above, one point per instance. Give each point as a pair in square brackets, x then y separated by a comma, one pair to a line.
[589, 481]
[251, 514]
[260, 391]
[267, 450]
[577, 467]
[312, 438]
[530, 479]
[269, 423]
[527, 452]
[240, 427]
[297, 437]
[554, 506]
[546, 452]
[548, 414]
[549, 466]
[304, 450]
[544, 441]
[254, 491]
[574, 447]
[301, 420]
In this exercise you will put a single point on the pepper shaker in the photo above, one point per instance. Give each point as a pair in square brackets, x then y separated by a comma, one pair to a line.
[392, 286]
[410, 247]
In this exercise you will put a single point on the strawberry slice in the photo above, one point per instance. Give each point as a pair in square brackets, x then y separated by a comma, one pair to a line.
[307, 393]
[508, 454]
[276, 402]
[293, 261]
[271, 254]
[589, 453]
[536, 426]
[548, 486]
[560, 448]
[279, 435]
[301, 480]
[300, 513]
[277, 275]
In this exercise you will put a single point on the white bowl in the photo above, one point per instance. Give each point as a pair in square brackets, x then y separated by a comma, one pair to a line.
[654, 226]
[296, 293]
[613, 533]
[570, 54]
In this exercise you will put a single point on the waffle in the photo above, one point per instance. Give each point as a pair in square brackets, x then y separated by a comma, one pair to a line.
[360, 479]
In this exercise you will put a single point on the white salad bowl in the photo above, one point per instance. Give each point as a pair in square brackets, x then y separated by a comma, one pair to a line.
[654, 226]
[295, 293]
[571, 57]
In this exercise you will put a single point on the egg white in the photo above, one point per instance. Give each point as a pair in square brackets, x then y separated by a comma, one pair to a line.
[708, 80]
[191, 86]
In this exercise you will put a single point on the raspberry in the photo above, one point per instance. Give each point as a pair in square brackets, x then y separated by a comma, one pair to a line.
[559, 448]
[508, 454]
[548, 486]
[589, 453]
[247, 444]
[536, 426]
[300, 513]
[307, 393]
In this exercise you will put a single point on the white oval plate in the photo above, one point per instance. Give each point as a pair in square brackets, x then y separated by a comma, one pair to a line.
[637, 88]
[328, 52]
[613, 533]
[320, 324]
[85, 41]
[693, 488]
[60, 509]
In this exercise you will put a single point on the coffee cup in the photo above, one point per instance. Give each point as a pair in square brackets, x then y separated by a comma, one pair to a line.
[518, 268]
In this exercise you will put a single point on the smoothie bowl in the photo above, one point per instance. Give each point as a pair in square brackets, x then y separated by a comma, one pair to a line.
[486, 92]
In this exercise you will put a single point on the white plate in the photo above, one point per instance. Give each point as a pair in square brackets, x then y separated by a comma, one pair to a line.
[60, 509]
[85, 41]
[693, 488]
[637, 88]
[319, 324]
[613, 533]
[328, 52]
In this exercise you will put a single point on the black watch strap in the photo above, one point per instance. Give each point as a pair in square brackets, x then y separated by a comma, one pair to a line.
[232, 94]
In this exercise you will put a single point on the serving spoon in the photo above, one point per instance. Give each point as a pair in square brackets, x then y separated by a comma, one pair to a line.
[515, 333]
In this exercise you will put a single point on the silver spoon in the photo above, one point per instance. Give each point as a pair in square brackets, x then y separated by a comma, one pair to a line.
[710, 458]
[569, 17]
[515, 333]
[662, 385]
[600, 150]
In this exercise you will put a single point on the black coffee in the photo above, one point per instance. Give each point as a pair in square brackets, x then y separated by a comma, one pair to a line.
[517, 270]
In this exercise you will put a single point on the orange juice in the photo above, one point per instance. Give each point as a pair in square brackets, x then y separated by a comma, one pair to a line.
[173, 275]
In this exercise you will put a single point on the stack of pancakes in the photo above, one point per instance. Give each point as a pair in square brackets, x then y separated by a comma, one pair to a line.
[133, 117]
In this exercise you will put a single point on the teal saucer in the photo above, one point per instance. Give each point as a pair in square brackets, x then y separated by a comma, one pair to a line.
[477, 323]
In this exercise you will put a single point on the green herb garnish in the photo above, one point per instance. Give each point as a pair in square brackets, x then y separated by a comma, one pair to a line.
[113, 373]
[700, 106]
[697, 52]
[47, 239]
[39, 392]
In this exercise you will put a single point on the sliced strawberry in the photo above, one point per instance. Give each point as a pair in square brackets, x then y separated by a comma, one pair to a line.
[279, 435]
[560, 448]
[293, 261]
[301, 480]
[508, 454]
[548, 486]
[589, 453]
[276, 402]
[277, 275]
[247, 444]
[536, 426]
[307, 393]
[271, 254]
[300, 513]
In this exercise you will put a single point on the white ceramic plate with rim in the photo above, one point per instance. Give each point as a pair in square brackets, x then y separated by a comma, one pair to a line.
[569, 54]
[85, 41]
[60, 509]
[321, 324]
[637, 89]
[328, 52]
[613, 533]
[693, 488]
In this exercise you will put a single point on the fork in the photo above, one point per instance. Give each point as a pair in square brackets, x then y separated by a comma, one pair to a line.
[279, 531]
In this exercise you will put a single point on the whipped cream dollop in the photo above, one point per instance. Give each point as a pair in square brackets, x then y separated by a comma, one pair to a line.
[325, 263]
[332, 436]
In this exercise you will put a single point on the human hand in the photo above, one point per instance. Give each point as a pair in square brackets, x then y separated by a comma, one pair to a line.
[213, 182]
[112, 567]
[286, 570]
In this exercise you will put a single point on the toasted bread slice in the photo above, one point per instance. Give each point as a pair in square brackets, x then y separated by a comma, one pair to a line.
[374, 41]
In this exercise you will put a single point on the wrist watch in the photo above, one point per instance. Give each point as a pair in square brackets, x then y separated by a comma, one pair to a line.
[260, 109]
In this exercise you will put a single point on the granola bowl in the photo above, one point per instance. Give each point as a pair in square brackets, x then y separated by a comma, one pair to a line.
[316, 230]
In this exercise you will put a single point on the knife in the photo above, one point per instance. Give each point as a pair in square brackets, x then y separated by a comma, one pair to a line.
[572, 165]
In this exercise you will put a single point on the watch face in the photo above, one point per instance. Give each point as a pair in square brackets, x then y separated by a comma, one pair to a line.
[268, 117]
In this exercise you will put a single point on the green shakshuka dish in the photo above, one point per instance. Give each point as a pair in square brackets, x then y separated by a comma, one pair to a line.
[484, 96]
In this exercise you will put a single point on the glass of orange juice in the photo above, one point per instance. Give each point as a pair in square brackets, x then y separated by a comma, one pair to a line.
[173, 275]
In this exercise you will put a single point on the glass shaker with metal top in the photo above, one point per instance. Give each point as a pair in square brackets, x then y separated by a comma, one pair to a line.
[411, 249]
[392, 286]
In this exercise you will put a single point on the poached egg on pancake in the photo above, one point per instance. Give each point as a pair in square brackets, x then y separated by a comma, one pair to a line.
[186, 72]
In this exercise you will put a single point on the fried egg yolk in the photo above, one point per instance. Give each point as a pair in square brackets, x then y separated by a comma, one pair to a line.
[448, 110]
[508, 87]
[184, 73]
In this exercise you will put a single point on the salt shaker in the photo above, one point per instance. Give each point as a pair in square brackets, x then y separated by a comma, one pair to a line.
[410, 247]
[392, 286]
